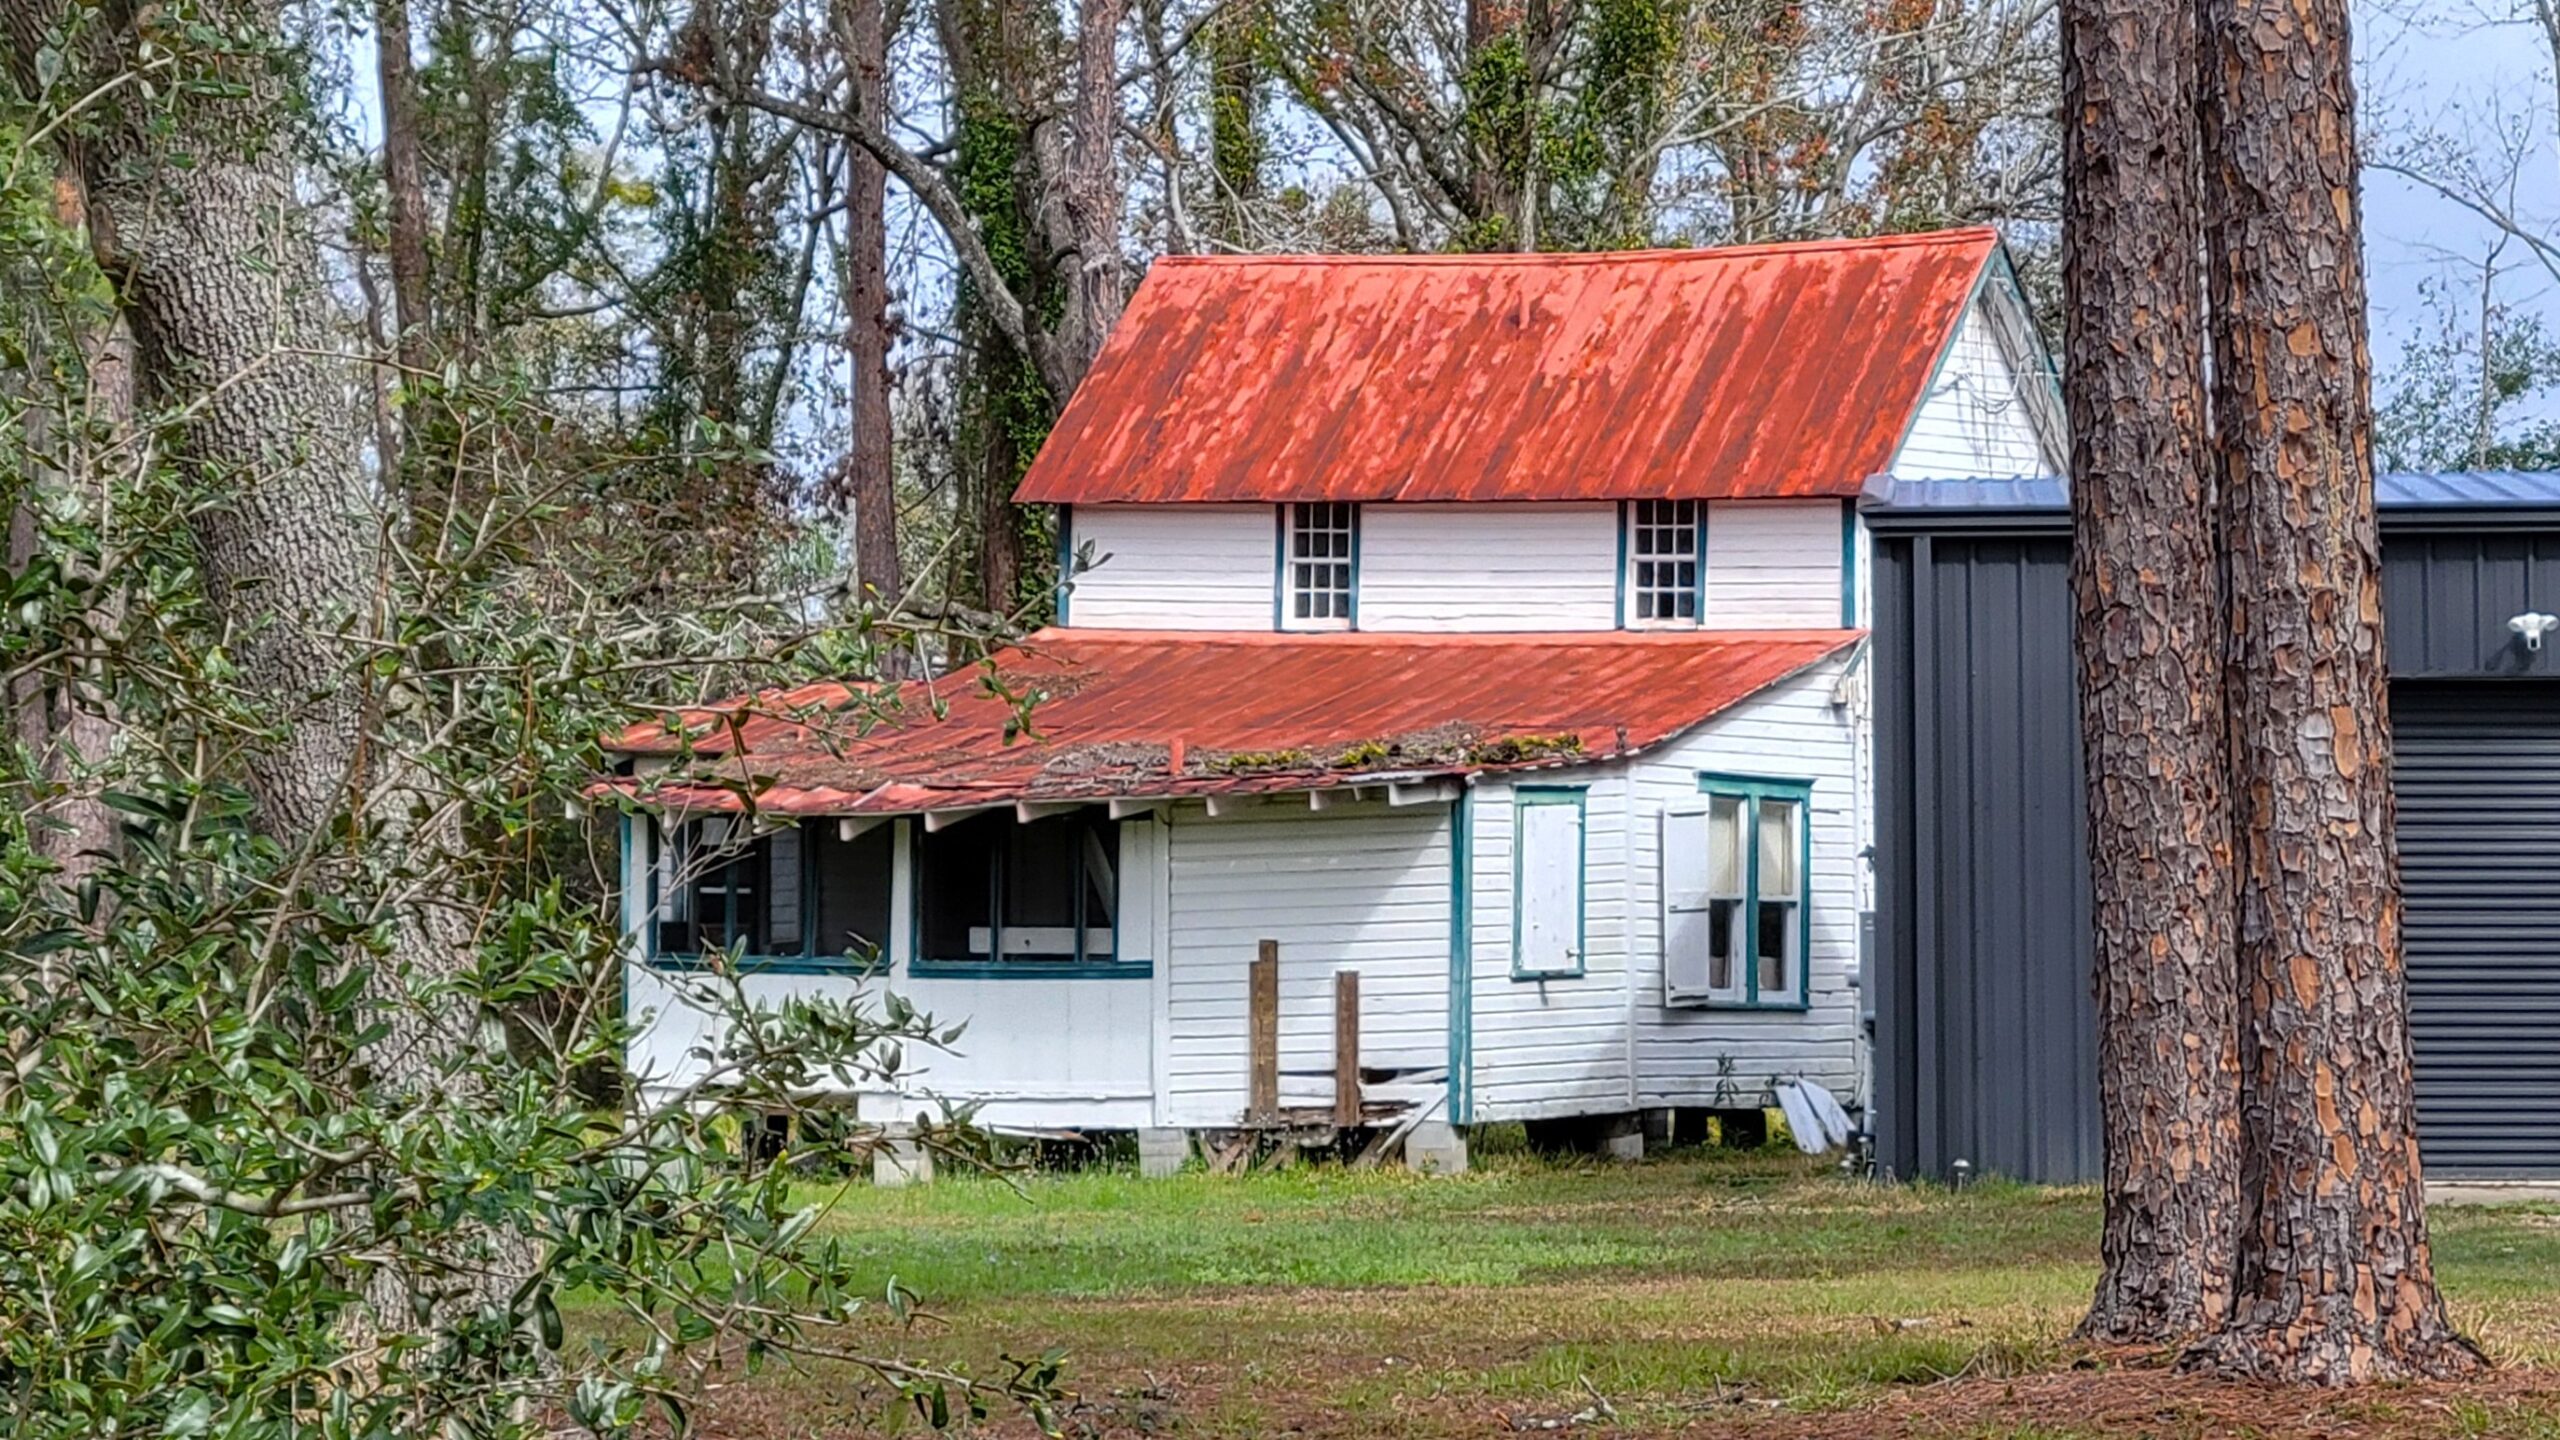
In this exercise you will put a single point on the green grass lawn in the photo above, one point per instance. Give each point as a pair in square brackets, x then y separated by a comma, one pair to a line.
[1698, 1292]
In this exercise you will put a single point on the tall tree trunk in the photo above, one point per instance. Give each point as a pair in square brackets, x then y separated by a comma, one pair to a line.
[870, 483]
[218, 271]
[404, 189]
[2147, 584]
[1091, 188]
[2334, 1283]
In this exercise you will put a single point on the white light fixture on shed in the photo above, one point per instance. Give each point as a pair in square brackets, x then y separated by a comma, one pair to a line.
[2533, 625]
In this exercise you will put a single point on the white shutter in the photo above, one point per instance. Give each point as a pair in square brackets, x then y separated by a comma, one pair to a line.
[1550, 931]
[1683, 886]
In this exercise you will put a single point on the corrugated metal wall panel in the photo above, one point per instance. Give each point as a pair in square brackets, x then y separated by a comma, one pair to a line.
[1986, 1025]
[2446, 600]
[2478, 779]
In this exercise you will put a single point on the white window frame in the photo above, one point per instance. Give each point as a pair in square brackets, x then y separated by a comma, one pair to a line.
[1651, 532]
[1331, 530]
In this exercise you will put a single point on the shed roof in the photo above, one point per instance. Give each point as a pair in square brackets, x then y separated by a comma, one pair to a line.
[1752, 372]
[2483, 499]
[1252, 713]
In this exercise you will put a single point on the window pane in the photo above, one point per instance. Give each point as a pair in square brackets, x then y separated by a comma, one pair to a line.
[955, 876]
[782, 891]
[1778, 849]
[853, 892]
[1776, 949]
[1724, 846]
[1720, 958]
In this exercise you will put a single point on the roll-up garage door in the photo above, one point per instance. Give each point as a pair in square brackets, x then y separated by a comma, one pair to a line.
[2478, 777]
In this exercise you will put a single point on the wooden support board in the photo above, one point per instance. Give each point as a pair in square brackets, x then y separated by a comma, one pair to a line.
[1346, 1048]
[1262, 1090]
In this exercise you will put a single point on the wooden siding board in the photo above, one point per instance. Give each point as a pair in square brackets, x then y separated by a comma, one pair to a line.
[1553, 1046]
[1359, 887]
[1975, 423]
[1773, 565]
[1488, 567]
[1164, 567]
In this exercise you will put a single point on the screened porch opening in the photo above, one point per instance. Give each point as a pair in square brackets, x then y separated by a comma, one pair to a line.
[995, 890]
[793, 892]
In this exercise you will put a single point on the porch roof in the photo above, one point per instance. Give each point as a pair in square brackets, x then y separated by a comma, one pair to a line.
[1117, 714]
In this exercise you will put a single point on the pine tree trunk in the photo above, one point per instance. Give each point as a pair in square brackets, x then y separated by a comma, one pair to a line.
[2334, 1283]
[870, 482]
[2146, 580]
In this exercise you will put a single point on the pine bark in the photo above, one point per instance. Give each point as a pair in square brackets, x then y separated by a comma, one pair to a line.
[2333, 1282]
[2146, 583]
[869, 483]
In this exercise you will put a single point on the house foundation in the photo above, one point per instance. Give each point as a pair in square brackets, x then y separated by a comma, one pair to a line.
[899, 1159]
[1163, 1152]
[1436, 1148]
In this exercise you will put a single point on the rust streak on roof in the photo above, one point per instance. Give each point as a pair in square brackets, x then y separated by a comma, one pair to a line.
[1753, 372]
[1252, 712]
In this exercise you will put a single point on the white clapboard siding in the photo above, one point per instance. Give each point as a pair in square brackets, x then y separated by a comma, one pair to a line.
[1557, 1046]
[1773, 564]
[1488, 567]
[1686, 1056]
[1361, 887]
[1174, 567]
[1977, 421]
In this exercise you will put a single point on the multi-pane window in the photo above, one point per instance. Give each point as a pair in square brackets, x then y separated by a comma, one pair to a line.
[1662, 562]
[1733, 895]
[1317, 568]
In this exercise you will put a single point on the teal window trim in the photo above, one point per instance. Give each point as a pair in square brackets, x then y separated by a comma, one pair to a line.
[1356, 528]
[1622, 565]
[1462, 969]
[1082, 967]
[1031, 969]
[1527, 797]
[1848, 564]
[1280, 566]
[1066, 559]
[1752, 790]
[845, 965]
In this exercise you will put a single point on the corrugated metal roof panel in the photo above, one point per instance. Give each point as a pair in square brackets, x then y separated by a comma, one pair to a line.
[1766, 371]
[2396, 490]
[1252, 713]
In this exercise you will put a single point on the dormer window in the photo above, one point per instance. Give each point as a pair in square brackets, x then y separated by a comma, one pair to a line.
[1321, 545]
[1663, 565]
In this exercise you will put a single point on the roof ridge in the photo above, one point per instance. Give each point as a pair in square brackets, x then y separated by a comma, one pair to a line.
[1056, 636]
[1970, 234]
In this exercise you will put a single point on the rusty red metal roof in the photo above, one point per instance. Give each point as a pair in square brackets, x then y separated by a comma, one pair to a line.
[1755, 372]
[1121, 713]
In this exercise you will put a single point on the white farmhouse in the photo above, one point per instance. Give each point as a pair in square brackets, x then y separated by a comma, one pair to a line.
[1488, 626]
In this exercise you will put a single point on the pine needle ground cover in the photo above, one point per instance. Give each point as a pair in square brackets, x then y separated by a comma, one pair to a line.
[1701, 1294]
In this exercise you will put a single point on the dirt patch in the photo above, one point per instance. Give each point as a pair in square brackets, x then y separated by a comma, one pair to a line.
[2155, 1402]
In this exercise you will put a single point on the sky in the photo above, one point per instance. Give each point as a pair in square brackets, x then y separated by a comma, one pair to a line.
[2447, 65]
[2456, 68]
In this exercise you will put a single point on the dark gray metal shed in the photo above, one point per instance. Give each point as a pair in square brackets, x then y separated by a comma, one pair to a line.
[1985, 1028]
